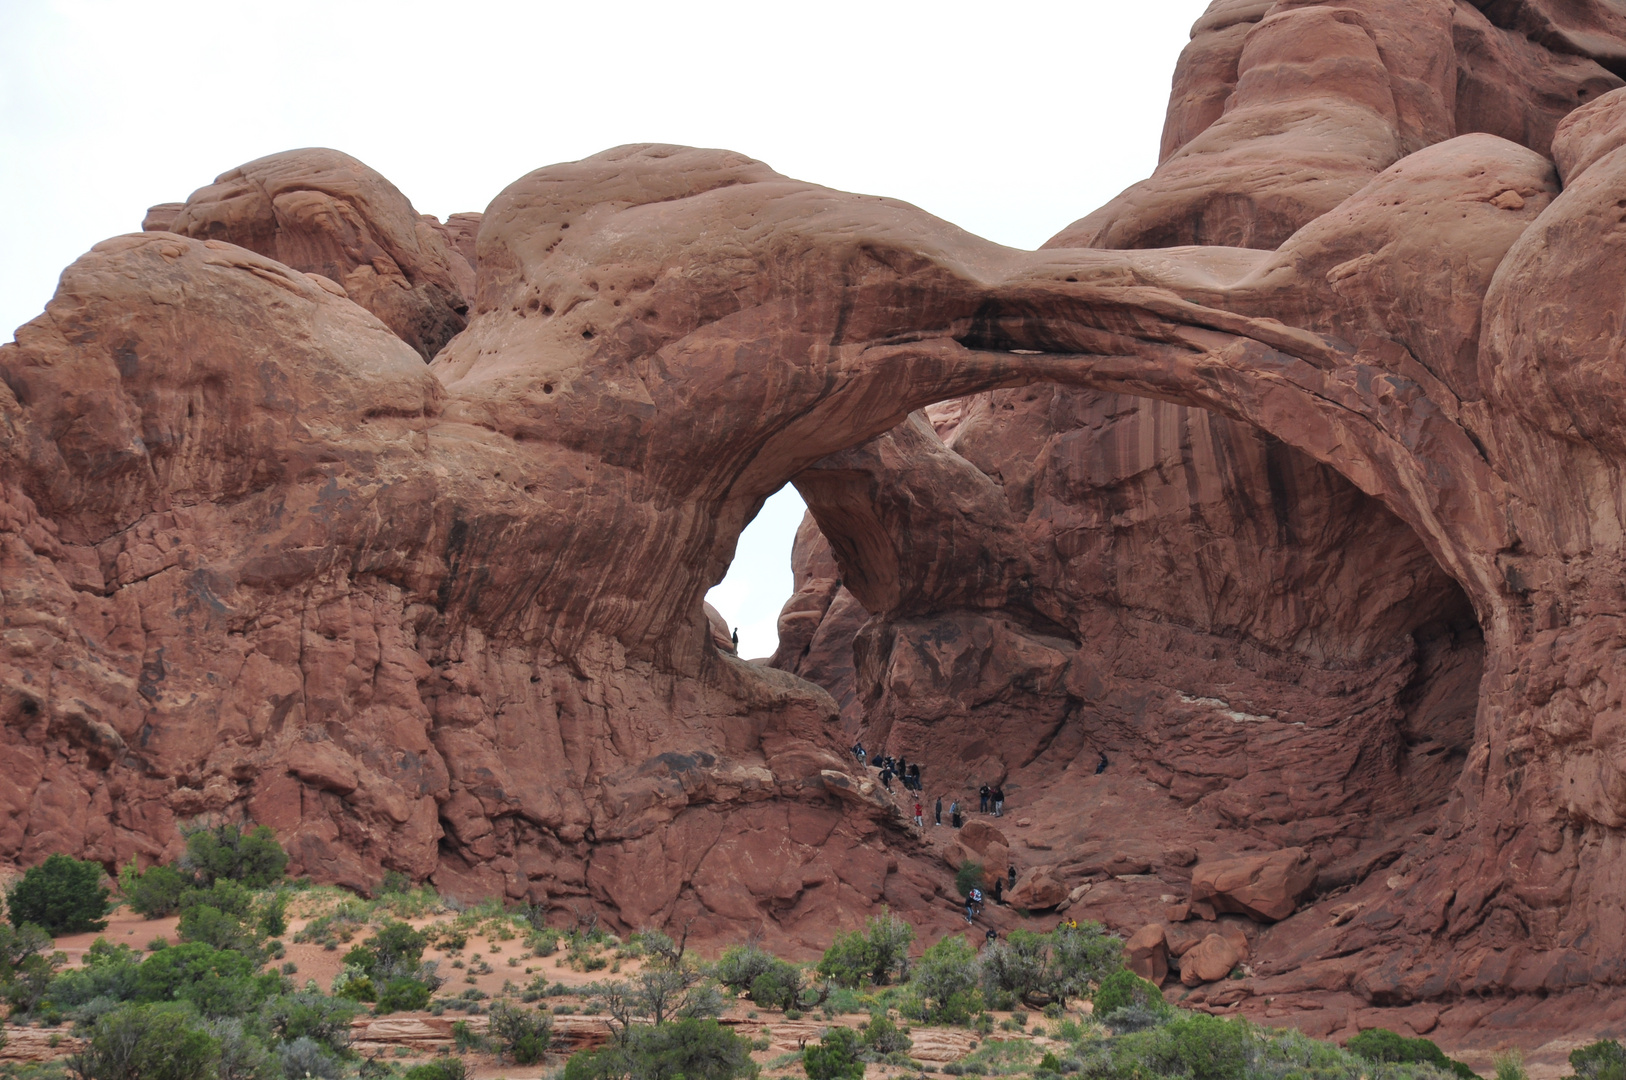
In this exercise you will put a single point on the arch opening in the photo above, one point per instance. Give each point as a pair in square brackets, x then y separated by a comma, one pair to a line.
[1006, 586]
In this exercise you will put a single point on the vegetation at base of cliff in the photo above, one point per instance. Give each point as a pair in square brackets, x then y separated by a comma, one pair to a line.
[215, 1006]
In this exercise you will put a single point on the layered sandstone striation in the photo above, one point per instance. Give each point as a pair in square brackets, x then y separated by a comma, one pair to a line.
[1309, 530]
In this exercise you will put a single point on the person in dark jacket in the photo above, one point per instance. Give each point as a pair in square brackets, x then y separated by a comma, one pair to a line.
[940, 809]
[983, 793]
[954, 813]
[1010, 878]
[1101, 766]
[999, 890]
[997, 797]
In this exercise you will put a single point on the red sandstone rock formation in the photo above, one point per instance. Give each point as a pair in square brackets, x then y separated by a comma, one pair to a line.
[1318, 538]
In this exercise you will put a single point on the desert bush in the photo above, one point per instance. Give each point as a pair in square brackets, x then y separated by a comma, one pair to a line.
[446, 1068]
[970, 876]
[62, 895]
[1050, 968]
[884, 1037]
[875, 954]
[946, 981]
[250, 856]
[304, 1058]
[403, 994]
[835, 1057]
[740, 966]
[155, 892]
[522, 1035]
[1123, 989]
[147, 1042]
[1375, 1044]
[1602, 1060]
[690, 1048]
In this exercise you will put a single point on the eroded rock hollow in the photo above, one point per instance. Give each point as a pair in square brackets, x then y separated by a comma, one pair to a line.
[1309, 526]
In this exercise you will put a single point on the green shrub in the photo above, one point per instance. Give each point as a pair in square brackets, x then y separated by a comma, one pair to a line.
[1602, 1060]
[946, 981]
[61, 896]
[1043, 968]
[155, 892]
[446, 1068]
[147, 1042]
[252, 857]
[403, 994]
[883, 1036]
[522, 1035]
[1198, 1046]
[309, 1015]
[876, 954]
[740, 966]
[780, 987]
[27, 966]
[1375, 1044]
[1124, 989]
[1510, 1066]
[690, 1048]
[306, 1059]
[835, 1057]
[395, 950]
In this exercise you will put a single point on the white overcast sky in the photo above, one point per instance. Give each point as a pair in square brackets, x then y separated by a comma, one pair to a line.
[1010, 119]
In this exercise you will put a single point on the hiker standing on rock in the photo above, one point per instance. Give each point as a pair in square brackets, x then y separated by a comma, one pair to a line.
[1010, 878]
[940, 810]
[954, 813]
[998, 797]
[858, 751]
[999, 890]
[920, 815]
[1101, 766]
[886, 777]
[983, 793]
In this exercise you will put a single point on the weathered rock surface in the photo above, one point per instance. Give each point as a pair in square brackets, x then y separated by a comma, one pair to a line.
[1264, 887]
[1210, 960]
[326, 213]
[1146, 953]
[1317, 541]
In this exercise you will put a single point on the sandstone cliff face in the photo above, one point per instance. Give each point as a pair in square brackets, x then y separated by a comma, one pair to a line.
[1318, 538]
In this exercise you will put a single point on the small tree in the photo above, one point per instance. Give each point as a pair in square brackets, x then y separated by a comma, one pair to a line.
[1123, 989]
[946, 981]
[883, 1036]
[147, 1042]
[740, 966]
[969, 876]
[1602, 1060]
[61, 895]
[1045, 968]
[783, 987]
[835, 1057]
[877, 953]
[155, 892]
[251, 856]
[522, 1035]
[690, 1048]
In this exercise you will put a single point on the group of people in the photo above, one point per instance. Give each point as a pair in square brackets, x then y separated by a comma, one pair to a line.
[892, 768]
[974, 898]
[993, 798]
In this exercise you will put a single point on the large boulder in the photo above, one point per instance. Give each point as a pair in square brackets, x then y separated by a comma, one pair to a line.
[326, 213]
[1263, 887]
[1037, 890]
[1212, 959]
[1146, 953]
